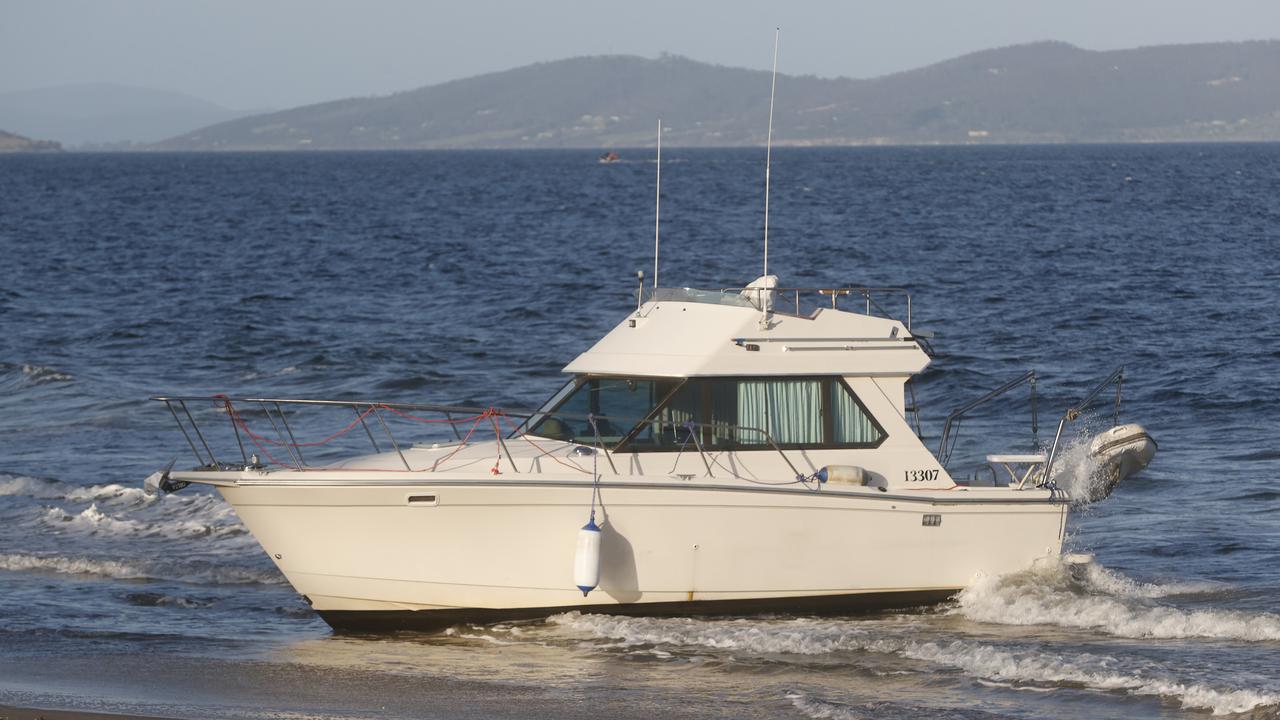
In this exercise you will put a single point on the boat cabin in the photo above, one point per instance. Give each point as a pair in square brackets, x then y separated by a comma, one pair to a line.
[733, 371]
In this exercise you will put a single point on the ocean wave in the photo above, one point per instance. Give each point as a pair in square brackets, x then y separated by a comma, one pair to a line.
[112, 492]
[31, 375]
[153, 599]
[93, 521]
[820, 708]
[1103, 600]
[976, 659]
[50, 489]
[1101, 579]
[1033, 666]
[23, 485]
[73, 566]
[795, 637]
[43, 374]
[193, 572]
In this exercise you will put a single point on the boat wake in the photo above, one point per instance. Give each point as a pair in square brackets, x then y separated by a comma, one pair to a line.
[1094, 598]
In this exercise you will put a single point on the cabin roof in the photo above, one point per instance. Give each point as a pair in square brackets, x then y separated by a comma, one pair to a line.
[708, 334]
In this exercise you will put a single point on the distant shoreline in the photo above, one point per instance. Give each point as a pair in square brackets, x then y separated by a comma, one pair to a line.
[647, 150]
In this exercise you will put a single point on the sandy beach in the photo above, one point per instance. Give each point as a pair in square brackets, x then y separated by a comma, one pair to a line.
[12, 713]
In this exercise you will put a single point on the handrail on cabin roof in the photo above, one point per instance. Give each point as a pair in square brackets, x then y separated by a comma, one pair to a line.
[741, 296]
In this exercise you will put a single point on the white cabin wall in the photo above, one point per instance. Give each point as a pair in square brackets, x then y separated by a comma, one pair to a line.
[902, 450]
[893, 388]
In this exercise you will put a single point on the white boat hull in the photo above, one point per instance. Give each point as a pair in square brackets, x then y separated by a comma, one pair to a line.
[374, 555]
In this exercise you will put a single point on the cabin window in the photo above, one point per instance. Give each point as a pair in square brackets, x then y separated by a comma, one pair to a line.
[617, 404]
[851, 424]
[647, 414]
[748, 412]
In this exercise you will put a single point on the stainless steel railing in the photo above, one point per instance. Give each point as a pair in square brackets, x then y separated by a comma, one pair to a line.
[1117, 378]
[948, 441]
[283, 435]
[868, 298]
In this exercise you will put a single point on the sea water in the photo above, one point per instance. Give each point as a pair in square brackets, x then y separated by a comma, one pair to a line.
[473, 277]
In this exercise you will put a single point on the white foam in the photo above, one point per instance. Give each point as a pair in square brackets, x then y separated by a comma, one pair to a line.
[999, 664]
[821, 709]
[29, 487]
[802, 636]
[983, 661]
[1111, 582]
[110, 493]
[218, 574]
[1075, 468]
[41, 374]
[93, 521]
[1108, 602]
[72, 566]
[21, 485]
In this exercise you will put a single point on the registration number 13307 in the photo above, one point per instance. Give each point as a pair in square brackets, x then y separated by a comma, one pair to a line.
[921, 475]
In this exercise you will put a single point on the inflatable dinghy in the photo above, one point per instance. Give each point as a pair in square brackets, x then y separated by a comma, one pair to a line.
[1119, 452]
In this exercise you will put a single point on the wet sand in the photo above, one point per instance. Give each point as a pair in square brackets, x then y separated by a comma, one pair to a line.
[12, 713]
[125, 686]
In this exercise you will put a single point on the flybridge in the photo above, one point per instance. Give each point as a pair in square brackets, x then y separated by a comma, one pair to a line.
[685, 332]
[886, 302]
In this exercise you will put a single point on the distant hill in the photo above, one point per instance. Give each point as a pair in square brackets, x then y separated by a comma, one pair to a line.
[16, 143]
[106, 114]
[1042, 92]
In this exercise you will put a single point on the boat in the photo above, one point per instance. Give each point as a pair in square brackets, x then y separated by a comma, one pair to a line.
[1116, 454]
[610, 157]
[719, 451]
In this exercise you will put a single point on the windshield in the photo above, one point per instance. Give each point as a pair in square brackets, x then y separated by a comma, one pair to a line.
[617, 404]
[726, 413]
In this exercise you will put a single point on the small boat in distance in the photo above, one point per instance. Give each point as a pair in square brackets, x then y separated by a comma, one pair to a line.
[610, 157]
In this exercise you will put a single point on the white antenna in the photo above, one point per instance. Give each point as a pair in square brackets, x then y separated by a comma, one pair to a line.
[768, 162]
[768, 152]
[657, 207]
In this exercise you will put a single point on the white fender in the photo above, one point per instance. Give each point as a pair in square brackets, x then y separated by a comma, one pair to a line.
[843, 474]
[586, 561]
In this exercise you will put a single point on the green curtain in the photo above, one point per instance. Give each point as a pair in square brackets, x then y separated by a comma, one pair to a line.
[850, 423]
[789, 410]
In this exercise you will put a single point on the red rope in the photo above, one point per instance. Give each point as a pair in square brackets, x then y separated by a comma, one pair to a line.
[253, 437]
[262, 442]
[546, 453]
[463, 444]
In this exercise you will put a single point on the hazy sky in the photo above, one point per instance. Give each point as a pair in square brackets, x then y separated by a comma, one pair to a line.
[262, 53]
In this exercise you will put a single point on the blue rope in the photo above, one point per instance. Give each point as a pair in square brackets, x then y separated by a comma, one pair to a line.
[595, 463]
